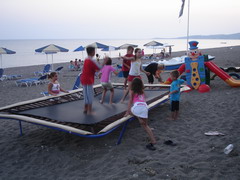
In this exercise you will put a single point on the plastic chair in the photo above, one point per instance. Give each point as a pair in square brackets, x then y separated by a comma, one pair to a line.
[59, 69]
[46, 70]
[31, 81]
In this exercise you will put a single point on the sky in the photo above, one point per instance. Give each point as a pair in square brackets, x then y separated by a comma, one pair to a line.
[115, 19]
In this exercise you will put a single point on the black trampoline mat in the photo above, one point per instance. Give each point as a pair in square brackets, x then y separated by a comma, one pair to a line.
[73, 111]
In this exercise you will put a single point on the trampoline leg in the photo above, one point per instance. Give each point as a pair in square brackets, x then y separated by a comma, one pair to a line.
[20, 126]
[122, 132]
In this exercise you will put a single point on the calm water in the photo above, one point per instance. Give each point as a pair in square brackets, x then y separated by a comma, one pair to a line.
[26, 56]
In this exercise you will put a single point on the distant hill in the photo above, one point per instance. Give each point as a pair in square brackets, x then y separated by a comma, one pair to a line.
[217, 36]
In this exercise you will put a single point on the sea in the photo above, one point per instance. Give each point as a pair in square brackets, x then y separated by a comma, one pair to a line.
[26, 55]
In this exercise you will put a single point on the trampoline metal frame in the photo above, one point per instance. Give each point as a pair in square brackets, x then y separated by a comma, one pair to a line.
[124, 124]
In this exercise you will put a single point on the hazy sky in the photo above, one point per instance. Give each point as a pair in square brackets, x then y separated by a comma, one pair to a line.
[115, 19]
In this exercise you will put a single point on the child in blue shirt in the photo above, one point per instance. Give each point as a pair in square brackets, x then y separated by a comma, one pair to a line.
[175, 94]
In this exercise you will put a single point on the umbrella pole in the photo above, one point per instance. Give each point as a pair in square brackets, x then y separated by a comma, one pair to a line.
[47, 58]
[1, 60]
[52, 62]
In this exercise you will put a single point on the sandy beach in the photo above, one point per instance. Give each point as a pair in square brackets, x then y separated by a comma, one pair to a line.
[43, 153]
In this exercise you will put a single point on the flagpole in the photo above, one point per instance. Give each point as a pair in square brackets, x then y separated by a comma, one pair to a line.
[188, 24]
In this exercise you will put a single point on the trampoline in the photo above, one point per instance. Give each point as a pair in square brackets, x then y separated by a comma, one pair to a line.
[65, 112]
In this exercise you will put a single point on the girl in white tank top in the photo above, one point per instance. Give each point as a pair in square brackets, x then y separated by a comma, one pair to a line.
[54, 86]
[135, 69]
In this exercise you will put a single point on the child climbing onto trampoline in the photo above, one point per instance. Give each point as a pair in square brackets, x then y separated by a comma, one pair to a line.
[138, 107]
[105, 74]
[54, 86]
[175, 94]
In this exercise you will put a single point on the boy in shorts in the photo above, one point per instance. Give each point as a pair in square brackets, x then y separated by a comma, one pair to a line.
[126, 65]
[90, 67]
[175, 94]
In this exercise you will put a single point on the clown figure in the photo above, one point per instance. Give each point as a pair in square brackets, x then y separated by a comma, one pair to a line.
[194, 68]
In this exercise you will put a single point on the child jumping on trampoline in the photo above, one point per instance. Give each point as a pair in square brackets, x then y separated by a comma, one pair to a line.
[175, 94]
[54, 87]
[105, 74]
[138, 107]
[90, 67]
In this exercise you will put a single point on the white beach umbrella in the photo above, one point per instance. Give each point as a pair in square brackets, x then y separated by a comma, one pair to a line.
[125, 46]
[154, 45]
[51, 49]
[5, 51]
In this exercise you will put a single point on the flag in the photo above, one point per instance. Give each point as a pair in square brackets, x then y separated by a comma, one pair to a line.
[181, 11]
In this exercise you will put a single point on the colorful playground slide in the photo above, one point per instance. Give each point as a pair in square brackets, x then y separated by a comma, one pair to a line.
[222, 74]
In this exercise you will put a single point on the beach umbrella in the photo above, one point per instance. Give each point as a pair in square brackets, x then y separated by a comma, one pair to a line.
[154, 45]
[80, 48]
[97, 45]
[169, 46]
[51, 49]
[5, 51]
[110, 48]
[125, 46]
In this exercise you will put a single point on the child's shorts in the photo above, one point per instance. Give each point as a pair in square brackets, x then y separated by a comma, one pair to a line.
[125, 74]
[130, 77]
[107, 85]
[174, 105]
[140, 109]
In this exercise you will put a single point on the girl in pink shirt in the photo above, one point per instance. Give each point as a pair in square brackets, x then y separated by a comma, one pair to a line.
[138, 107]
[105, 74]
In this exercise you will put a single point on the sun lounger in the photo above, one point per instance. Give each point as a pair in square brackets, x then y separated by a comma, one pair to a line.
[31, 81]
[59, 69]
[46, 70]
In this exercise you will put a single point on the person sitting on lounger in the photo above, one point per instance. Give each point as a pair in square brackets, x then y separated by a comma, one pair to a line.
[54, 86]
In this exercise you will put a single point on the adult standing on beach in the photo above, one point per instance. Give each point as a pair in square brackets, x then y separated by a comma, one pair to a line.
[90, 67]
[126, 65]
[135, 69]
[155, 70]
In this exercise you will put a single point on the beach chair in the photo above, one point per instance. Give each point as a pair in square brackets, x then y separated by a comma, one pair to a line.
[59, 69]
[9, 77]
[31, 81]
[2, 77]
[76, 85]
[12, 77]
[46, 70]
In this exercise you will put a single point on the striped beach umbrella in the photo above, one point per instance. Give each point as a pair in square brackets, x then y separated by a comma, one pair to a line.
[109, 49]
[97, 45]
[5, 51]
[80, 48]
[125, 46]
[154, 45]
[51, 49]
